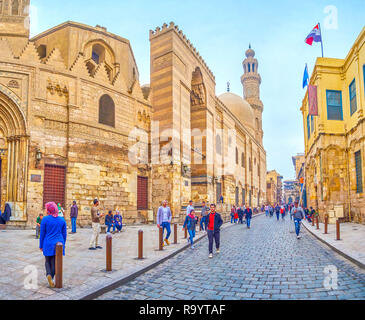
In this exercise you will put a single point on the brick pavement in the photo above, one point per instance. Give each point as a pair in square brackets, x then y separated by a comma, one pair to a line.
[266, 262]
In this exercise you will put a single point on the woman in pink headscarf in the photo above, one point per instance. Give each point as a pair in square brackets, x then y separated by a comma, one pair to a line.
[53, 230]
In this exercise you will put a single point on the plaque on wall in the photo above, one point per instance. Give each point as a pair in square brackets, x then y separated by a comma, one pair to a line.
[36, 178]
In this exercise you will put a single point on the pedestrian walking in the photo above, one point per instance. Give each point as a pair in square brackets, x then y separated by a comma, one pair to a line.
[38, 225]
[214, 224]
[248, 213]
[73, 215]
[53, 230]
[277, 212]
[95, 218]
[190, 224]
[282, 212]
[164, 217]
[298, 215]
[267, 212]
[232, 215]
[190, 207]
[240, 214]
[203, 220]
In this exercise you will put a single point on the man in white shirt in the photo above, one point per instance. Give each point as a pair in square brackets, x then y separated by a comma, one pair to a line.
[164, 217]
[190, 207]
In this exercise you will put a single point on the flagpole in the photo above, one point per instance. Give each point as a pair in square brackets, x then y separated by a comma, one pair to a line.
[319, 25]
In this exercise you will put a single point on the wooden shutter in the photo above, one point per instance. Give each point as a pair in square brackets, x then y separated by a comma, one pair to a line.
[142, 193]
[358, 162]
[54, 184]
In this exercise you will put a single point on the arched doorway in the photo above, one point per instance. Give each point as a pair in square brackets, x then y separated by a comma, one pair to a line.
[14, 157]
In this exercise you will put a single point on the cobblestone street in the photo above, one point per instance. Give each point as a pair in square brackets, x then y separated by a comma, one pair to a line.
[266, 262]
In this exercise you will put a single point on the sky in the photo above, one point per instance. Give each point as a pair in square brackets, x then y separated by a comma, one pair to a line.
[221, 30]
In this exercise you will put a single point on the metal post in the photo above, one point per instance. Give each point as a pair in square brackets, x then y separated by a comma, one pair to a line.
[317, 221]
[109, 252]
[338, 230]
[326, 225]
[59, 265]
[175, 233]
[160, 240]
[140, 244]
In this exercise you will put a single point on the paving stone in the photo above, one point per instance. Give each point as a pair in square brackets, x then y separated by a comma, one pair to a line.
[274, 266]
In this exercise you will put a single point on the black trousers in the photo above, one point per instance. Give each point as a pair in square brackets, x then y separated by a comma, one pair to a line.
[51, 266]
[214, 235]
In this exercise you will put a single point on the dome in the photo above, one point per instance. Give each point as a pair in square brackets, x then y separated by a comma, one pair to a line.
[239, 107]
[250, 52]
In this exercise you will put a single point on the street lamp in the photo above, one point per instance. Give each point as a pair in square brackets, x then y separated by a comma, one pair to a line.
[38, 157]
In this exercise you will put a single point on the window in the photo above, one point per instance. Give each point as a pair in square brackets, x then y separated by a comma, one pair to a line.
[243, 196]
[353, 103]
[218, 143]
[54, 184]
[142, 193]
[1, 6]
[42, 51]
[243, 160]
[98, 53]
[308, 126]
[312, 124]
[107, 111]
[249, 67]
[358, 163]
[237, 156]
[253, 67]
[334, 105]
[15, 8]
[250, 164]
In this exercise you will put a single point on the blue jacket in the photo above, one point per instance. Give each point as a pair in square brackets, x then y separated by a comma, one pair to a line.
[190, 223]
[53, 230]
[248, 213]
[118, 218]
[109, 219]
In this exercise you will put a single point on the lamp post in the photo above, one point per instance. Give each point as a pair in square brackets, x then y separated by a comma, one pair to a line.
[38, 157]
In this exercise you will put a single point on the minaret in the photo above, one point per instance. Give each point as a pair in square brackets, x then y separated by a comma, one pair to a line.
[251, 81]
[14, 23]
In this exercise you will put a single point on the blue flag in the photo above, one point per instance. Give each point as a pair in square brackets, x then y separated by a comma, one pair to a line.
[306, 77]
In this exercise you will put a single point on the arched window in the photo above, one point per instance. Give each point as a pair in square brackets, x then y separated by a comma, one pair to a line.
[15, 8]
[218, 144]
[107, 111]
[249, 67]
[253, 67]
[98, 53]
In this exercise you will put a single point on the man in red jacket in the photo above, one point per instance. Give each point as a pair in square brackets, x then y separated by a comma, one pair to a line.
[214, 224]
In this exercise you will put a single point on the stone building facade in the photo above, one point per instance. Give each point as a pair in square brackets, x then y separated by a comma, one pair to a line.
[76, 124]
[334, 140]
[274, 188]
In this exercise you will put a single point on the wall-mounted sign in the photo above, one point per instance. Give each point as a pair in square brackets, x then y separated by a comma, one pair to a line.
[36, 178]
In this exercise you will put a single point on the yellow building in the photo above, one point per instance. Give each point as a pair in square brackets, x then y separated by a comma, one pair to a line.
[274, 188]
[334, 140]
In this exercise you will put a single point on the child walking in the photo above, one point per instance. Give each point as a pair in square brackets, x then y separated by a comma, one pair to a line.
[190, 223]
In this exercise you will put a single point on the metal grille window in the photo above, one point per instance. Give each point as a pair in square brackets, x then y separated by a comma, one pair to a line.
[237, 196]
[312, 124]
[142, 193]
[54, 184]
[308, 127]
[334, 105]
[237, 156]
[353, 103]
[243, 196]
[358, 162]
[107, 111]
